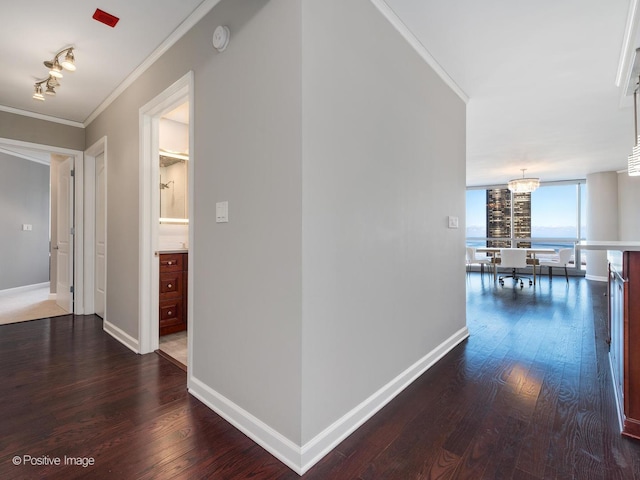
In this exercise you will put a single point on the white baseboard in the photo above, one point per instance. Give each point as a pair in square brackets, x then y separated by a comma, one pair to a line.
[596, 278]
[279, 446]
[53, 296]
[302, 458]
[314, 450]
[24, 288]
[122, 336]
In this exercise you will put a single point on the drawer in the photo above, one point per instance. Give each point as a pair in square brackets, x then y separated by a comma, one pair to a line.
[171, 284]
[171, 262]
[171, 312]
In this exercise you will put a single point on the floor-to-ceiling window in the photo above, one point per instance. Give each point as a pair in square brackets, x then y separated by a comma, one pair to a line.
[553, 216]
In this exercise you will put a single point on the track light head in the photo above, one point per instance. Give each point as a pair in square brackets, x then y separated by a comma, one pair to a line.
[37, 93]
[55, 70]
[69, 61]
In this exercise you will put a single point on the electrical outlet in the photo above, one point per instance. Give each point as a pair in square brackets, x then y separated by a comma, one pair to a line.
[453, 222]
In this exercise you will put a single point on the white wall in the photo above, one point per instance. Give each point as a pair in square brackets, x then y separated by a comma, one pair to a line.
[174, 198]
[383, 166]
[174, 136]
[349, 181]
[602, 219]
[24, 199]
[247, 273]
[628, 207]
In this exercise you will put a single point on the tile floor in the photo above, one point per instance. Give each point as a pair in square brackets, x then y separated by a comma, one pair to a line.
[175, 345]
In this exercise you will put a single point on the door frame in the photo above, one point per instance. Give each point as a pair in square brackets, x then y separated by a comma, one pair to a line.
[78, 216]
[65, 201]
[149, 213]
[90, 154]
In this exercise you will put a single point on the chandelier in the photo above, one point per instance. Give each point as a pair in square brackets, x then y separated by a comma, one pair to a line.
[523, 185]
[633, 161]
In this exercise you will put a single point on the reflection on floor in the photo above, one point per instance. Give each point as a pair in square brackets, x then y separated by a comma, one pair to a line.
[175, 345]
[28, 305]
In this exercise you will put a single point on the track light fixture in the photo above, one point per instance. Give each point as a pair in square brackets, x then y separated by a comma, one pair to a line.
[50, 83]
[55, 67]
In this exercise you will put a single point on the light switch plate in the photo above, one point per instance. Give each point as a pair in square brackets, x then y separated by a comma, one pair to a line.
[453, 222]
[222, 212]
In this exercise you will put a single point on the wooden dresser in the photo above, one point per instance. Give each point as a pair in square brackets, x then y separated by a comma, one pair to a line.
[173, 292]
[624, 337]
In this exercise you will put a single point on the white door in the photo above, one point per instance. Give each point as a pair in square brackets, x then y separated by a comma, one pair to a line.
[101, 236]
[64, 248]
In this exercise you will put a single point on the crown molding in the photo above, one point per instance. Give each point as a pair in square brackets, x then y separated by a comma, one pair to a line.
[402, 28]
[197, 15]
[40, 116]
[627, 52]
[628, 55]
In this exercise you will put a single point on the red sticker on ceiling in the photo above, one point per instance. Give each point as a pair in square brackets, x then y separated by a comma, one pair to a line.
[106, 18]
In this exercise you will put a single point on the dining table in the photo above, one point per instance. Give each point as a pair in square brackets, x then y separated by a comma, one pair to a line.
[494, 254]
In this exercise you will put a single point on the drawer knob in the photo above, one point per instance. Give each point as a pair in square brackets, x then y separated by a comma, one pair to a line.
[169, 285]
[169, 263]
[169, 312]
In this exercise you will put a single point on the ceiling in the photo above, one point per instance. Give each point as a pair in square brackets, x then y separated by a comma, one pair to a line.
[540, 77]
[105, 56]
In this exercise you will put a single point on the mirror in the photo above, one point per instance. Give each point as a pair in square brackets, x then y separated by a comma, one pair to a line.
[173, 188]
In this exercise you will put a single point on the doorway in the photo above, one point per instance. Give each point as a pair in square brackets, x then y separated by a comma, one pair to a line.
[100, 269]
[174, 234]
[39, 238]
[95, 273]
[173, 231]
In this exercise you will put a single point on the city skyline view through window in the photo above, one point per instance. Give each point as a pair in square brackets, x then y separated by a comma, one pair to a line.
[557, 211]
[554, 212]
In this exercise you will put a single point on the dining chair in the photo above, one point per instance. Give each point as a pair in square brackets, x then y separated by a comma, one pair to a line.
[474, 258]
[513, 258]
[561, 259]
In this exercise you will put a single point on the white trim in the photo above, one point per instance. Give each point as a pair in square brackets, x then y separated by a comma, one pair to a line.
[301, 459]
[122, 336]
[90, 154]
[191, 210]
[40, 116]
[276, 444]
[78, 238]
[23, 288]
[52, 296]
[627, 52]
[39, 146]
[420, 49]
[24, 156]
[331, 436]
[596, 278]
[149, 213]
[197, 15]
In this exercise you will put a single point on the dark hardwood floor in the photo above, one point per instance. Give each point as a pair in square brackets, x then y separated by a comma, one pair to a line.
[527, 396]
